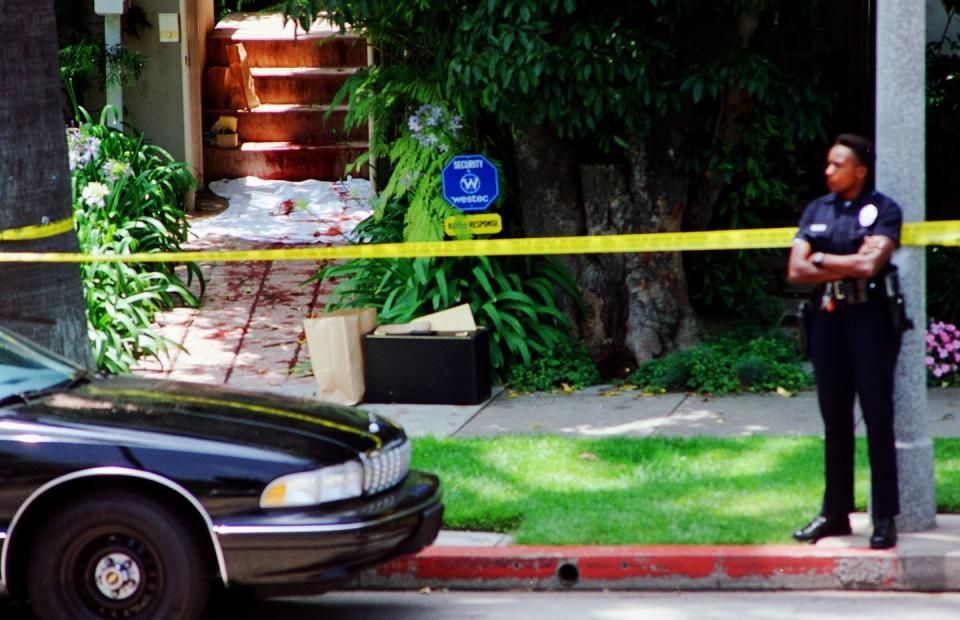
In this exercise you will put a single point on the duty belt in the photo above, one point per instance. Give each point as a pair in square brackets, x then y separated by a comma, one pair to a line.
[849, 290]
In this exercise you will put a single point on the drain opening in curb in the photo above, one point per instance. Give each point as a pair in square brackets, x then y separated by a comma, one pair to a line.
[568, 574]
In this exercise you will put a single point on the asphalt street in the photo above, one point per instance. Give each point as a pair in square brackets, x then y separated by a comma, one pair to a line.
[607, 606]
[585, 605]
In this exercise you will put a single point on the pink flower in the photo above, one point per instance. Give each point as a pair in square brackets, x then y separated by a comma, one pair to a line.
[942, 342]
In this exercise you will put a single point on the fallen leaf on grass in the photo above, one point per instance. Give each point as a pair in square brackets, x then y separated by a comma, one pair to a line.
[589, 456]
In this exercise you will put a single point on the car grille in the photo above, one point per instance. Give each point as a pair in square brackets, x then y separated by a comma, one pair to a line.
[385, 469]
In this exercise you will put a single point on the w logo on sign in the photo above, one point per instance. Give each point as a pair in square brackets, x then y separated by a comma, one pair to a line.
[470, 183]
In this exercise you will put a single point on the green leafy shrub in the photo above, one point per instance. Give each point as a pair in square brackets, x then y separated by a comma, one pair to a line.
[512, 296]
[943, 184]
[128, 196]
[569, 367]
[733, 283]
[943, 265]
[418, 161]
[740, 361]
[83, 61]
[942, 120]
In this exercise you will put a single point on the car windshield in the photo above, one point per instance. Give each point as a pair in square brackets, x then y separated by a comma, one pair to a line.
[26, 368]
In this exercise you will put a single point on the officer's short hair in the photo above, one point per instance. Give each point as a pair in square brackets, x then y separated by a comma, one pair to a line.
[860, 146]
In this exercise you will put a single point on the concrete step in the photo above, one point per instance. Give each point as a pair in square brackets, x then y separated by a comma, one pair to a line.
[270, 43]
[283, 160]
[289, 122]
[303, 85]
[339, 51]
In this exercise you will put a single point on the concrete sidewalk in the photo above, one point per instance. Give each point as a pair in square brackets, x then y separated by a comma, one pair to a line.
[248, 334]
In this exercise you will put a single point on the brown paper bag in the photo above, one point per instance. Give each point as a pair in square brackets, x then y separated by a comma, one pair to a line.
[334, 340]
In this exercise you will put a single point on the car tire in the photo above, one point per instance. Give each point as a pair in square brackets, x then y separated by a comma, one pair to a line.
[117, 555]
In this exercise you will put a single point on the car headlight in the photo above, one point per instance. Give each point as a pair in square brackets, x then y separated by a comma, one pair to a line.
[319, 486]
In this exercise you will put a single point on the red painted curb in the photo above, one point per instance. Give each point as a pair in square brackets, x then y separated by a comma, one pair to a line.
[641, 567]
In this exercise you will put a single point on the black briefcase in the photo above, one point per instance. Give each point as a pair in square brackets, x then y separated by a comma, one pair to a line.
[435, 368]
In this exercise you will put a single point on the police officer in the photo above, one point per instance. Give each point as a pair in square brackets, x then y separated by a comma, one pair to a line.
[844, 246]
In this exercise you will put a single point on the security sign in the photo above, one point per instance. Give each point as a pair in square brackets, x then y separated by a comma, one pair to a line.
[470, 183]
[477, 224]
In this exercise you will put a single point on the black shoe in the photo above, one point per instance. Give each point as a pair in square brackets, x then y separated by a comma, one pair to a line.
[884, 533]
[821, 527]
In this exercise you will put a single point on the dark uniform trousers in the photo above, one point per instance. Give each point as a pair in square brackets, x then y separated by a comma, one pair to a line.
[854, 350]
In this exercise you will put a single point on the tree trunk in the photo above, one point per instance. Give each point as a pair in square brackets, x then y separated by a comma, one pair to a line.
[548, 193]
[660, 317]
[637, 306]
[549, 184]
[44, 302]
[610, 210]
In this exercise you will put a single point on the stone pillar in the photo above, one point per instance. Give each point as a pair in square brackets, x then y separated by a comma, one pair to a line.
[900, 169]
[113, 41]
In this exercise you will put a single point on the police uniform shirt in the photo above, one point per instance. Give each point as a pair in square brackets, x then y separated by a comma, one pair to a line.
[833, 225]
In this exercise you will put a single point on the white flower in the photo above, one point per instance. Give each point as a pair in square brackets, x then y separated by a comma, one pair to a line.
[434, 128]
[82, 149]
[114, 169]
[94, 193]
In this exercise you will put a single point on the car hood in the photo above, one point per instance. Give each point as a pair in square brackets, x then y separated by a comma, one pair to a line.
[214, 413]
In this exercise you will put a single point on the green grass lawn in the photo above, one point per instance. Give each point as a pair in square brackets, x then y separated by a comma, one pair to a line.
[556, 490]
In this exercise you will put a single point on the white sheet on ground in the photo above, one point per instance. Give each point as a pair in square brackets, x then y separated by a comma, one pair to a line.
[301, 212]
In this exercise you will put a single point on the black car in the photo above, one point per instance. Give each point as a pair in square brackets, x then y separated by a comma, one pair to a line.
[123, 497]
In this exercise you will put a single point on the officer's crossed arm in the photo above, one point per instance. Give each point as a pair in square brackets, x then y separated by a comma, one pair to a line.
[808, 267]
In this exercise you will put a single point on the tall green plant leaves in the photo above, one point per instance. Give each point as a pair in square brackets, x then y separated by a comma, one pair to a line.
[128, 196]
[515, 297]
[512, 296]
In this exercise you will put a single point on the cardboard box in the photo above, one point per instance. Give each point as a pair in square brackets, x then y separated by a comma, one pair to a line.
[227, 140]
[438, 368]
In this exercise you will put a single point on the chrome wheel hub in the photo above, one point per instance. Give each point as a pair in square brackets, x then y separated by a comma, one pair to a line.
[117, 576]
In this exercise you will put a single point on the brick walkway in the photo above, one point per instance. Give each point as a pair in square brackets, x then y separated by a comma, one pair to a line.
[248, 331]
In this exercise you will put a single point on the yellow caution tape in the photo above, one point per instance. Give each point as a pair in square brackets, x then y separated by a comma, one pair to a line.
[946, 232]
[918, 234]
[42, 231]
